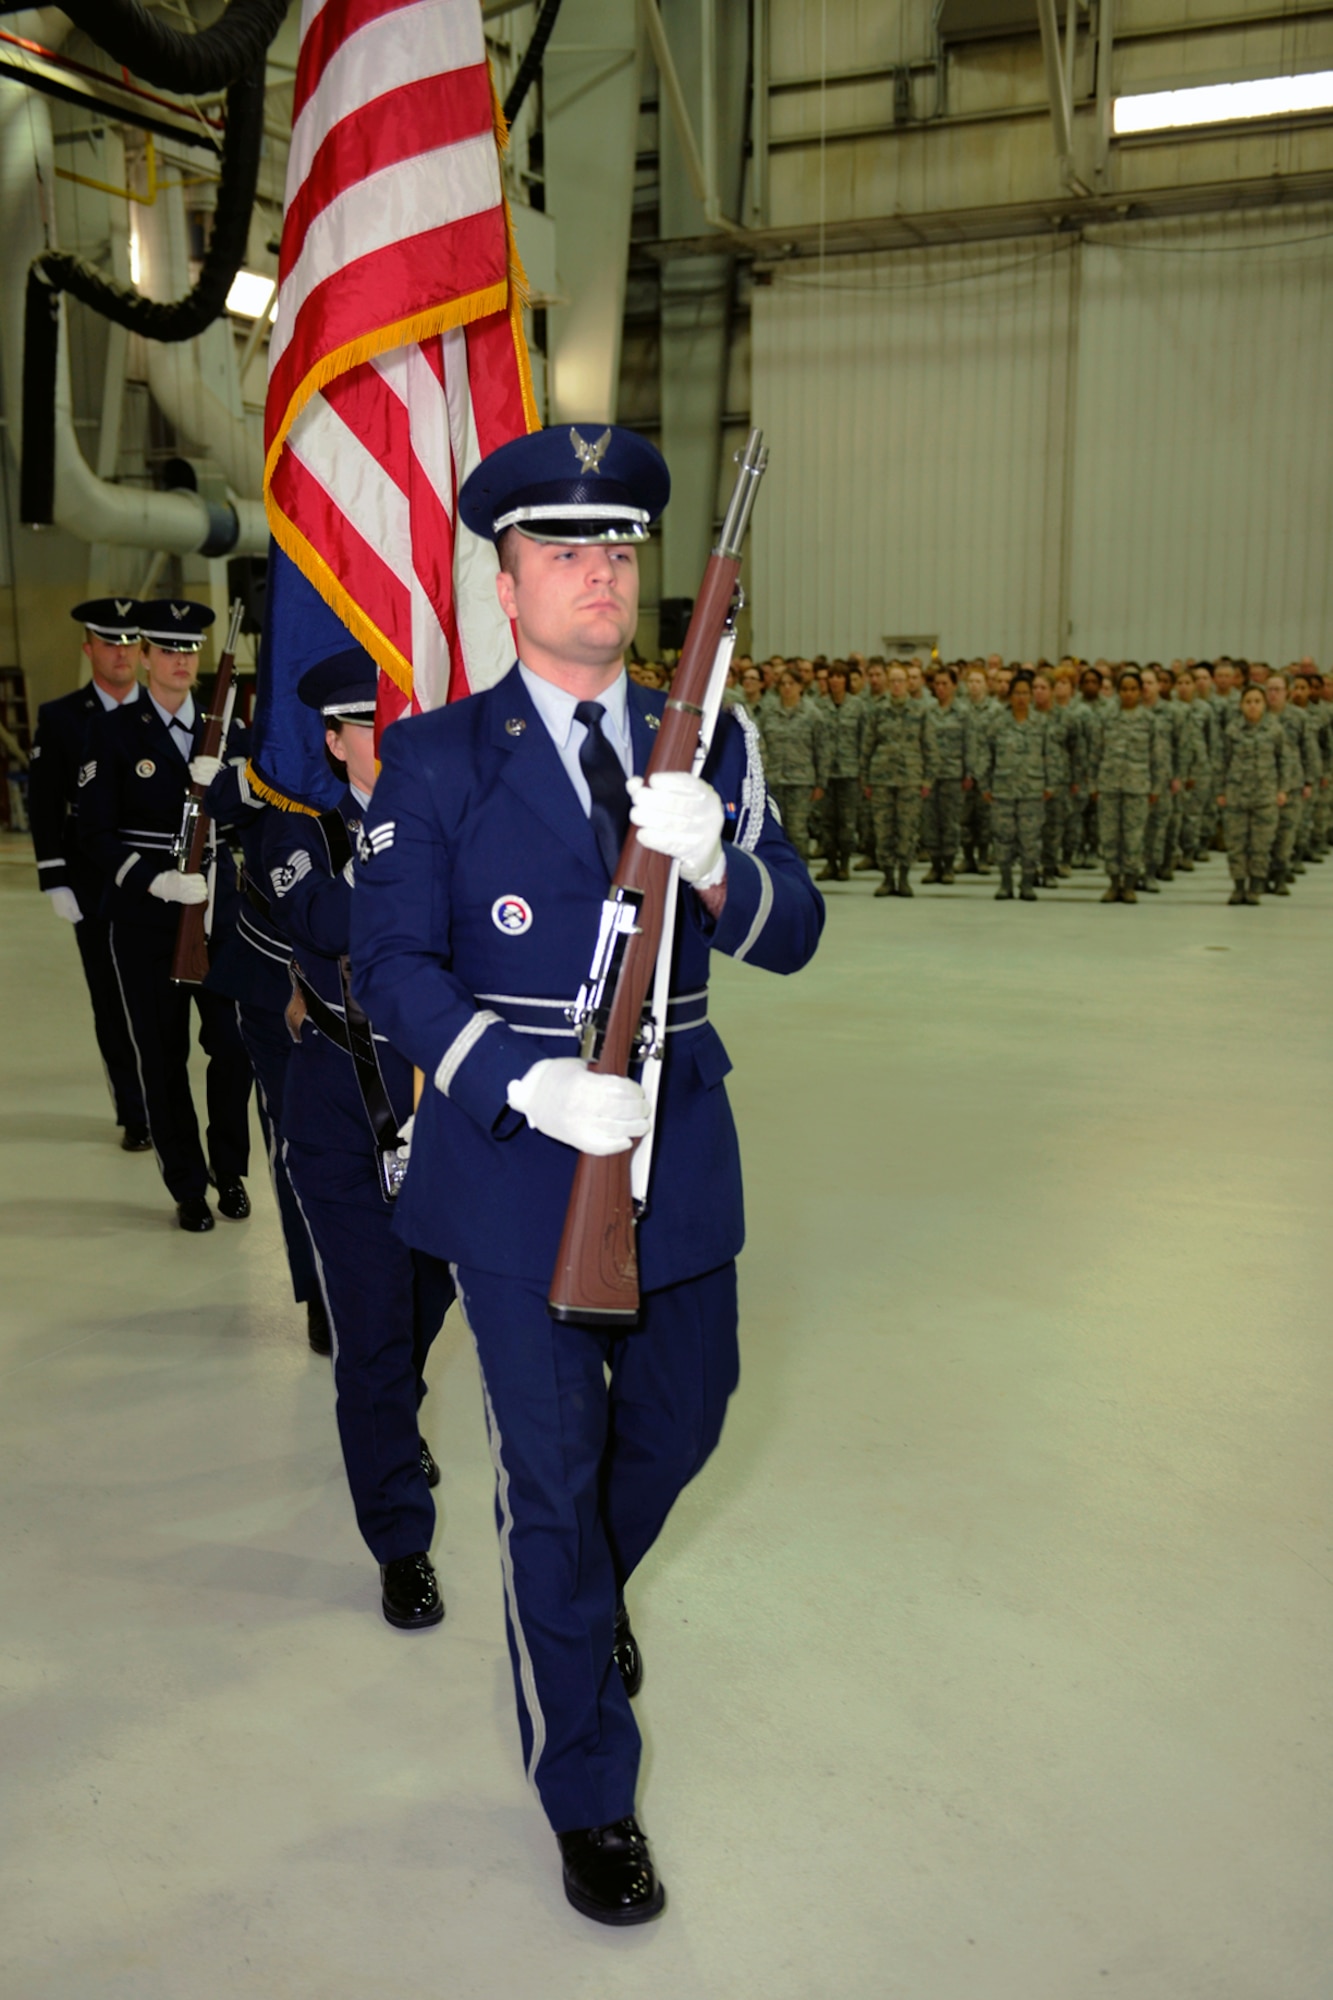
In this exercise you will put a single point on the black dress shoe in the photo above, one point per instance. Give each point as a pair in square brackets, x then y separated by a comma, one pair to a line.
[625, 1652]
[194, 1215]
[135, 1139]
[233, 1201]
[409, 1593]
[609, 1873]
[428, 1465]
[317, 1329]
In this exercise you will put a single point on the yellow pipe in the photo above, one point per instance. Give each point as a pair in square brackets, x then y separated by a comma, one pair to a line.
[155, 186]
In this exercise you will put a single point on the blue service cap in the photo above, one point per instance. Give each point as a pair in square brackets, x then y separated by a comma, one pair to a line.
[115, 619]
[174, 623]
[571, 483]
[343, 685]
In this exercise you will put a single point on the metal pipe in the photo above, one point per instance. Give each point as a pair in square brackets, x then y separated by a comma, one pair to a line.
[696, 167]
[1105, 51]
[708, 101]
[759, 121]
[1055, 85]
[1071, 50]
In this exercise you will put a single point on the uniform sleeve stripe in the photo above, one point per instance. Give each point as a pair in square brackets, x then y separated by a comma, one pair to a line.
[761, 915]
[462, 1046]
[59, 862]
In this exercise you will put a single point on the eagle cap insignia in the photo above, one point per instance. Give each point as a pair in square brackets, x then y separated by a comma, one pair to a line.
[589, 456]
[123, 606]
[179, 611]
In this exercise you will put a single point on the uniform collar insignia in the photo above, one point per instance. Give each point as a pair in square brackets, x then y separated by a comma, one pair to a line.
[589, 456]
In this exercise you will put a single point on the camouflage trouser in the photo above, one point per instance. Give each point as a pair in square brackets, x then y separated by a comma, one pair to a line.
[840, 802]
[1087, 828]
[974, 825]
[1018, 824]
[1284, 840]
[1054, 830]
[897, 811]
[941, 818]
[1122, 823]
[1323, 813]
[865, 824]
[1250, 833]
[793, 802]
[1305, 826]
[1189, 840]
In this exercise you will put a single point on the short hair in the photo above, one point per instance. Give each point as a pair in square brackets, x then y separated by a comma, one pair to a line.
[507, 550]
[1130, 673]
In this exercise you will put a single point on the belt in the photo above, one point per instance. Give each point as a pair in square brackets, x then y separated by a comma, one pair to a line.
[528, 1015]
[154, 837]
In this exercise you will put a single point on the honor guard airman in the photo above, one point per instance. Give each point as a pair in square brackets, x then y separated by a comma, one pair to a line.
[484, 867]
[347, 1098]
[140, 764]
[71, 880]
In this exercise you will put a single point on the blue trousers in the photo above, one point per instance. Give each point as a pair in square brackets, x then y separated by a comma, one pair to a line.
[592, 1440]
[385, 1307]
[93, 937]
[269, 1047]
[158, 1014]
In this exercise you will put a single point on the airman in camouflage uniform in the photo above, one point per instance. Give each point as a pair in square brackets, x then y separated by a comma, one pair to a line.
[1303, 775]
[1059, 726]
[876, 691]
[1159, 812]
[789, 738]
[1017, 787]
[978, 714]
[942, 812]
[1126, 782]
[1090, 712]
[897, 766]
[1255, 768]
[840, 720]
[1194, 764]
[1305, 695]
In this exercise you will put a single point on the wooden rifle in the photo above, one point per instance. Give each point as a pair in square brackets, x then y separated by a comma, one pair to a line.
[189, 961]
[596, 1277]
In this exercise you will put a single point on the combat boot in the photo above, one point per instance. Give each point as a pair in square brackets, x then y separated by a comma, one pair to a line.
[1280, 885]
[1252, 892]
[947, 875]
[1185, 865]
[969, 862]
[1027, 893]
[828, 873]
[1005, 892]
[904, 886]
[932, 874]
[885, 888]
[1166, 874]
[1237, 896]
[1112, 894]
[1148, 886]
[1127, 894]
[866, 865]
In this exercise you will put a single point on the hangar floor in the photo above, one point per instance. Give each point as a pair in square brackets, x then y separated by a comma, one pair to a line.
[989, 1659]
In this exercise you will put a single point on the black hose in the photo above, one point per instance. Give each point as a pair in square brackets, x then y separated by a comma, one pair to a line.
[532, 60]
[156, 53]
[57, 271]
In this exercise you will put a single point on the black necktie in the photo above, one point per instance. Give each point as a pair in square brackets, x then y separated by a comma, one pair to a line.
[183, 730]
[606, 782]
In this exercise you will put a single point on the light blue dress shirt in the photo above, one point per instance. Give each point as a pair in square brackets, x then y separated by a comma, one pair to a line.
[180, 726]
[556, 709]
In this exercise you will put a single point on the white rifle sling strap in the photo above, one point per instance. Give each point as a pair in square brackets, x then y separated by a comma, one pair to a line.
[641, 1166]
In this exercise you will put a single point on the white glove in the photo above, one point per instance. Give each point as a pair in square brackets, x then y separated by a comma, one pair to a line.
[203, 770]
[681, 816]
[65, 904]
[563, 1098]
[404, 1149]
[172, 887]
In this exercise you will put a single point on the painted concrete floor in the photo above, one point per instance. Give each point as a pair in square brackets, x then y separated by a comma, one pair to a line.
[989, 1659]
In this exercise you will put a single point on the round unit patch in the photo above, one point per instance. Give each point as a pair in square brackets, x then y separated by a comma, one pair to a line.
[511, 915]
[144, 768]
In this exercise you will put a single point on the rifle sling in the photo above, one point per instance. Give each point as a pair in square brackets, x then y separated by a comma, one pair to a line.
[352, 1034]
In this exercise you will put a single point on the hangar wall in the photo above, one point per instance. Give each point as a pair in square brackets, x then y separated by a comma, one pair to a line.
[1116, 445]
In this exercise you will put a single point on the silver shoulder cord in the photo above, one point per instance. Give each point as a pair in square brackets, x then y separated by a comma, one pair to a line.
[653, 1039]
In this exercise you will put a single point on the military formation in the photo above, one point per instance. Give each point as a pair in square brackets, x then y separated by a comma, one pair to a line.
[1032, 770]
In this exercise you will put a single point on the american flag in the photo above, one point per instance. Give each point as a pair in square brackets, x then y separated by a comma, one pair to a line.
[397, 358]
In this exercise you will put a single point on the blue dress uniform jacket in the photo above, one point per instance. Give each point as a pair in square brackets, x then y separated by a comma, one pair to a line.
[59, 756]
[384, 1311]
[480, 894]
[131, 794]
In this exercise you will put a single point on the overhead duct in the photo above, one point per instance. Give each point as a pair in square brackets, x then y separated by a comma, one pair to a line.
[54, 271]
[93, 509]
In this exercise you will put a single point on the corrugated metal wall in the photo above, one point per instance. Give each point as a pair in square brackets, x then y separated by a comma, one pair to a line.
[914, 407]
[1124, 444]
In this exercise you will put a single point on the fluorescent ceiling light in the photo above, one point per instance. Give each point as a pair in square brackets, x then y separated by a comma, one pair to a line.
[249, 295]
[1221, 103]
